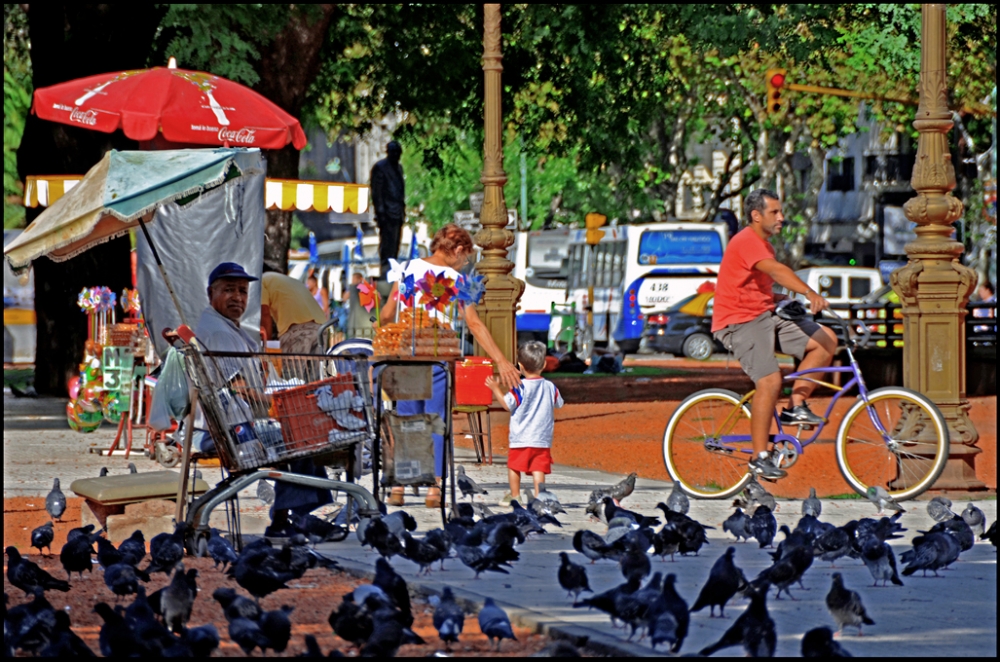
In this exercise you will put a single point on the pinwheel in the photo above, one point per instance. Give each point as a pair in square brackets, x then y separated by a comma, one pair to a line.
[130, 301]
[367, 295]
[470, 289]
[395, 271]
[436, 290]
[404, 291]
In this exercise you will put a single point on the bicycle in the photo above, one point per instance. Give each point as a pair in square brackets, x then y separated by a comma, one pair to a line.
[890, 437]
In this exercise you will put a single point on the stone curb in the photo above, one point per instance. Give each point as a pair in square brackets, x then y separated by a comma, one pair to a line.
[581, 637]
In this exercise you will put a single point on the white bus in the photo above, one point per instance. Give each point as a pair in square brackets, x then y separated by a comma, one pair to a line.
[540, 260]
[638, 270]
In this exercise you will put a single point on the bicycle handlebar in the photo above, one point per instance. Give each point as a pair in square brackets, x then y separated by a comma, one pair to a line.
[866, 332]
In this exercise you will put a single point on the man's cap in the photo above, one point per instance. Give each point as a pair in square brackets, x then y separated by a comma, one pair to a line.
[229, 270]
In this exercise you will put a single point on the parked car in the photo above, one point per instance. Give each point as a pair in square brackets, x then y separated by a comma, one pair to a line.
[841, 285]
[684, 328]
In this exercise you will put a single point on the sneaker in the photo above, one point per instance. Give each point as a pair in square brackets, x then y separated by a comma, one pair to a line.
[506, 499]
[800, 415]
[765, 468]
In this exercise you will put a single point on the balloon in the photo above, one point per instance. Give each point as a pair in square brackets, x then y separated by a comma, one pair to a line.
[74, 387]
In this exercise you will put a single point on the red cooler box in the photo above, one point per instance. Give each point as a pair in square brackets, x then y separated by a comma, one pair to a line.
[470, 381]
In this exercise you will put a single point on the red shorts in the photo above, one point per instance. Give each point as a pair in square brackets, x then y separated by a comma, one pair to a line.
[529, 460]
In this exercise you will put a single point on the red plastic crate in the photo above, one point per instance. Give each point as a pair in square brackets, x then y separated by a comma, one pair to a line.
[470, 381]
[303, 424]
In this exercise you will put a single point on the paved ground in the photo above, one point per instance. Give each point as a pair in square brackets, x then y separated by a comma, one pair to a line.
[949, 616]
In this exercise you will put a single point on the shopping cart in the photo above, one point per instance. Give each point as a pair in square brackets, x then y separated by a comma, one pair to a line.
[263, 410]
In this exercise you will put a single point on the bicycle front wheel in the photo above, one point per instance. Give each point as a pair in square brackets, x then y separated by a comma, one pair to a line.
[692, 451]
[912, 456]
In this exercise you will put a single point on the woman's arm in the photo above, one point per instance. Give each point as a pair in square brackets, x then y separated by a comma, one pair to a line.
[388, 314]
[509, 374]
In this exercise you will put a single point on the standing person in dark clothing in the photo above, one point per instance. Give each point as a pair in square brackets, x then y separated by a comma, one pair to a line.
[389, 199]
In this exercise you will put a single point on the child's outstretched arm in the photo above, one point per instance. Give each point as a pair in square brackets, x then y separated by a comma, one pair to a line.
[493, 384]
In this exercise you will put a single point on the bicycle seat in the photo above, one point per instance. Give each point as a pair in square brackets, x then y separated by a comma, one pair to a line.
[791, 310]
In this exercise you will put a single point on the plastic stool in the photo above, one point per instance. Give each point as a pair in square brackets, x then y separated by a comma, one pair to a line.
[482, 441]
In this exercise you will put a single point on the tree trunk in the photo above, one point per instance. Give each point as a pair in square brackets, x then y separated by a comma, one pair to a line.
[70, 41]
[288, 66]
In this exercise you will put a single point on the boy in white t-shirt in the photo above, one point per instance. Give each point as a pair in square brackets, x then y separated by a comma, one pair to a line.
[532, 408]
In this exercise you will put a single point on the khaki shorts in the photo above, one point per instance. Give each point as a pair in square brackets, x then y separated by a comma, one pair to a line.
[753, 343]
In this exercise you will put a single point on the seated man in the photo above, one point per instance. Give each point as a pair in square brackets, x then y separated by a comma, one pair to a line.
[745, 322]
[219, 331]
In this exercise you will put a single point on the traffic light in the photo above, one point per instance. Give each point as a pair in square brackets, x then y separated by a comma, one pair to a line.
[775, 81]
[593, 222]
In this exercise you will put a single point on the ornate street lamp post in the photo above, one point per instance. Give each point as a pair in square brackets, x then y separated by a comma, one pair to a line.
[934, 286]
[502, 290]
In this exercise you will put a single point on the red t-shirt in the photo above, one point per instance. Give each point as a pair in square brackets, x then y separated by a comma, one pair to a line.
[742, 292]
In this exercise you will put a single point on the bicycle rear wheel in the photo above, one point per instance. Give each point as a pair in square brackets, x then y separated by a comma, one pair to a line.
[700, 420]
[913, 457]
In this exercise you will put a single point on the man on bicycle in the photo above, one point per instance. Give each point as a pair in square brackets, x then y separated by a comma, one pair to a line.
[745, 322]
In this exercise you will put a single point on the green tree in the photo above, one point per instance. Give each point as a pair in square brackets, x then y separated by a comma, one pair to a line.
[16, 102]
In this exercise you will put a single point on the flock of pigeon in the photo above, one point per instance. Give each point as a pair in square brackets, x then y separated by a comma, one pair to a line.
[377, 617]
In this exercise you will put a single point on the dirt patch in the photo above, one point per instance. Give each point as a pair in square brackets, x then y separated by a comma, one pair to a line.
[314, 596]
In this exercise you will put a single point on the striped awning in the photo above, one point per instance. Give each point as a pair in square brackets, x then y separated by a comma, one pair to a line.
[283, 194]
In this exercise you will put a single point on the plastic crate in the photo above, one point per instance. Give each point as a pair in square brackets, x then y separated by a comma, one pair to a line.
[470, 381]
[303, 424]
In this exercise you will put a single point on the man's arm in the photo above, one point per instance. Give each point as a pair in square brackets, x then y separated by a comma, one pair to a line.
[785, 277]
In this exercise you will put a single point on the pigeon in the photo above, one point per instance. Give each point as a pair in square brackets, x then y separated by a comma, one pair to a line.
[388, 633]
[811, 505]
[166, 550]
[122, 579]
[673, 604]
[468, 486]
[133, 548]
[739, 524]
[116, 638]
[235, 605]
[77, 554]
[611, 511]
[27, 576]
[819, 642]
[104, 472]
[617, 492]
[763, 525]
[592, 546]
[678, 501]
[317, 529]
[724, 579]
[634, 562]
[201, 640]
[878, 495]
[932, 551]
[42, 537]
[835, 543]
[64, 643]
[260, 571]
[449, 619]
[220, 550]
[572, 577]
[975, 518]
[421, 552]
[400, 522]
[265, 492]
[755, 495]
[493, 622]
[351, 622]
[380, 538]
[107, 554]
[845, 605]
[276, 626]
[551, 501]
[667, 541]
[80, 532]
[132, 468]
[879, 558]
[753, 629]
[959, 529]
[31, 626]
[939, 508]
[55, 501]
[395, 587]
[991, 534]
[247, 635]
[178, 599]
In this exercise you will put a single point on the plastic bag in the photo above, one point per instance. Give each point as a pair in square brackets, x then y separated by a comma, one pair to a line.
[171, 400]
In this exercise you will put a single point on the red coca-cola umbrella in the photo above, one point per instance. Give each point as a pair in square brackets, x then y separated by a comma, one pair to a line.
[183, 106]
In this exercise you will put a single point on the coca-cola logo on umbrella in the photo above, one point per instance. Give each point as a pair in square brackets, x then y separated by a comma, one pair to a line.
[87, 117]
[242, 136]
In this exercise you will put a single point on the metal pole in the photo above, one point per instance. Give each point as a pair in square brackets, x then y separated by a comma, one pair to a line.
[524, 189]
[934, 286]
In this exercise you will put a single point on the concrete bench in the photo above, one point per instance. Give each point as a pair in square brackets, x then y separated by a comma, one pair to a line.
[121, 504]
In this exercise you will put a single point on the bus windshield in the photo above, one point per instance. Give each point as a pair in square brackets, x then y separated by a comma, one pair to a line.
[547, 253]
[680, 247]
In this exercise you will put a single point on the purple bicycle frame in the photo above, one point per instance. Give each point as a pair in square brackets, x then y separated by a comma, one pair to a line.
[781, 436]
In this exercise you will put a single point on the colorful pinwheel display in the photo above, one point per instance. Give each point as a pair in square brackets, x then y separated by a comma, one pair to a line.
[130, 302]
[404, 291]
[367, 295]
[436, 291]
[96, 300]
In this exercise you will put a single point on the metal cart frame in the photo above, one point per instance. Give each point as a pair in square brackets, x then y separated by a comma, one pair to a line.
[252, 379]
[448, 363]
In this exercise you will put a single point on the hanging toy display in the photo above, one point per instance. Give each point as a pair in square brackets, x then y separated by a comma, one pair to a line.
[84, 411]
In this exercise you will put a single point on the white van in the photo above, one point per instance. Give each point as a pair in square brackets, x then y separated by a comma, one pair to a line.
[841, 284]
